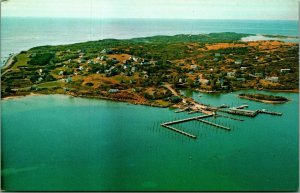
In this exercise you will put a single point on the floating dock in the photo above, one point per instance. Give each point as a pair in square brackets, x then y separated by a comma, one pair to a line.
[244, 112]
[167, 125]
[179, 131]
[192, 112]
[214, 124]
[233, 118]
[249, 113]
[182, 110]
[187, 119]
[270, 112]
[223, 106]
[239, 110]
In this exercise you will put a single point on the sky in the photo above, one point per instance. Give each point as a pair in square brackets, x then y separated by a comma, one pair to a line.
[168, 9]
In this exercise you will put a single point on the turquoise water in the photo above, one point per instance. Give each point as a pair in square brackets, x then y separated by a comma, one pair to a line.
[57, 142]
[19, 34]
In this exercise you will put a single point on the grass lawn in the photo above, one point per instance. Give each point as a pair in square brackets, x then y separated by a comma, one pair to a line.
[22, 60]
[50, 84]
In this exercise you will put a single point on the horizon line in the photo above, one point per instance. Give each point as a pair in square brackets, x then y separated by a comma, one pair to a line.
[48, 17]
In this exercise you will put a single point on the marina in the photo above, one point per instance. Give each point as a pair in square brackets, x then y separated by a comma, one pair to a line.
[210, 111]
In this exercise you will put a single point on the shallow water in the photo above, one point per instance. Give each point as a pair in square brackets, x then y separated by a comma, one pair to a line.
[261, 37]
[57, 142]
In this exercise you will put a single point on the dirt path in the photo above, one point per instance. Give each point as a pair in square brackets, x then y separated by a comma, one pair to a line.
[194, 105]
[168, 86]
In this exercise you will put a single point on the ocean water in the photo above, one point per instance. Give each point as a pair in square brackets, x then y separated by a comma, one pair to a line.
[19, 34]
[61, 143]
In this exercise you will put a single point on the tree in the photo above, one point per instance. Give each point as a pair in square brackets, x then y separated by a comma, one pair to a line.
[49, 77]
[41, 59]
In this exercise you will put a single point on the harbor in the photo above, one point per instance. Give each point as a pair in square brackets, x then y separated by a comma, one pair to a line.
[214, 111]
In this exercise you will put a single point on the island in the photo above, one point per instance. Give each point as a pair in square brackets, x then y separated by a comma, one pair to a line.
[264, 98]
[152, 70]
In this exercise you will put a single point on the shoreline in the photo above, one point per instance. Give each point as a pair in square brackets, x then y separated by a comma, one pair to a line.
[9, 61]
[268, 90]
[287, 91]
[86, 97]
[21, 96]
[175, 105]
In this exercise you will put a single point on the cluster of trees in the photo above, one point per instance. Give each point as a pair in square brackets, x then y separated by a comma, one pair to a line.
[41, 59]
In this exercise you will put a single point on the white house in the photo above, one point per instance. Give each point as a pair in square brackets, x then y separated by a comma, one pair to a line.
[135, 59]
[238, 62]
[231, 74]
[272, 79]
[285, 70]
[113, 90]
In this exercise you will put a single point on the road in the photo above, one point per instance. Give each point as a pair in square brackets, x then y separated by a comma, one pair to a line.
[194, 105]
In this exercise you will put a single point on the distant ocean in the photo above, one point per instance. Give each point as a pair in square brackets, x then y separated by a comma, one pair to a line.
[19, 34]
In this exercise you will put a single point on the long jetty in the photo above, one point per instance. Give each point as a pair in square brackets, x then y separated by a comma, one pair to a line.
[167, 124]
[182, 110]
[214, 124]
[187, 119]
[270, 112]
[192, 112]
[179, 131]
[233, 118]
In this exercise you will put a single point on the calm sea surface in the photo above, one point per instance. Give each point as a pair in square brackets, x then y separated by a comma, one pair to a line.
[56, 142]
[19, 34]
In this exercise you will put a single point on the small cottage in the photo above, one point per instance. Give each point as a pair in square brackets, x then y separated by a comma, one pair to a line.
[113, 90]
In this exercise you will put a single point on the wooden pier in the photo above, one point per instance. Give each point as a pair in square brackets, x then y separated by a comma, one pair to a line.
[179, 131]
[167, 125]
[233, 118]
[182, 110]
[270, 112]
[214, 124]
[243, 112]
[192, 112]
[223, 106]
[187, 119]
